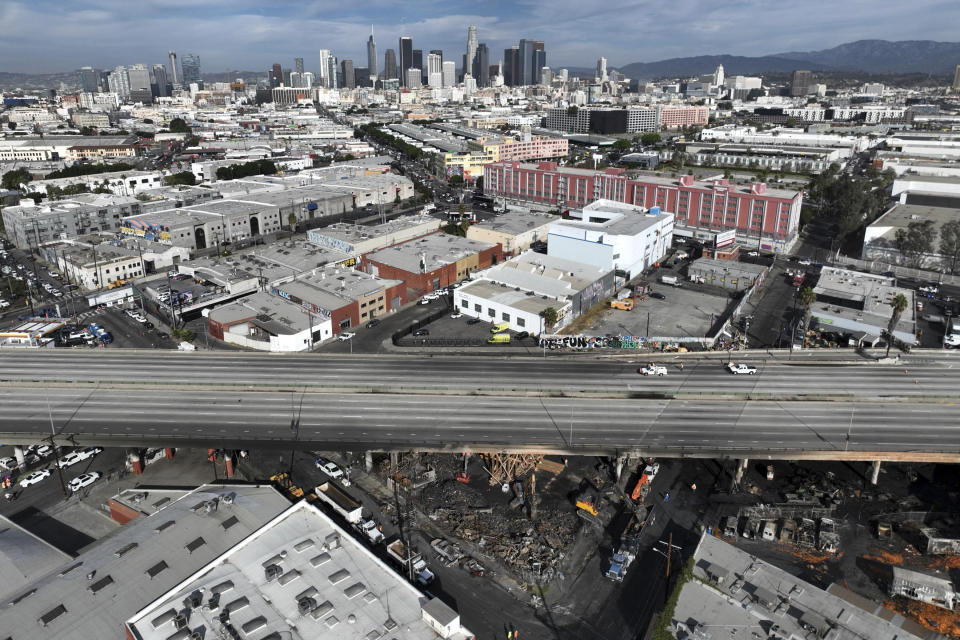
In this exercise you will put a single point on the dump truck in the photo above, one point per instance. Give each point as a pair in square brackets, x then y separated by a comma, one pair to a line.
[421, 573]
[370, 530]
[626, 305]
[340, 502]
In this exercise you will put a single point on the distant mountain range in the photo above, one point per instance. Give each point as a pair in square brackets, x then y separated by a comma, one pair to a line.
[869, 56]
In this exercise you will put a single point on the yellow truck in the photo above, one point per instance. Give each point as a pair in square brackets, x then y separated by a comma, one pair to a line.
[500, 327]
[500, 338]
[626, 305]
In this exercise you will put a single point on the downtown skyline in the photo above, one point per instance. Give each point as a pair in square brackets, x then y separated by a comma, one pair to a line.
[251, 36]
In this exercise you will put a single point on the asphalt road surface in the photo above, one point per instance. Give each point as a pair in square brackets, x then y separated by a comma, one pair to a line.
[443, 403]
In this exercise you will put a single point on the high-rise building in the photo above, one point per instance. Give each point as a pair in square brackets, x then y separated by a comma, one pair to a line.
[406, 57]
[719, 76]
[956, 79]
[601, 74]
[412, 81]
[546, 76]
[539, 60]
[276, 75]
[324, 79]
[434, 70]
[332, 72]
[481, 65]
[118, 82]
[346, 69]
[800, 83]
[470, 58]
[511, 63]
[89, 80]
[175, 78]
[308, 80]
[390, 65]
[362, 77]
[138, 77]
[298, 65]
[449, 73]
[159, 84]
[526, 63]
[191, 70]
[372, 57]
[416, 62]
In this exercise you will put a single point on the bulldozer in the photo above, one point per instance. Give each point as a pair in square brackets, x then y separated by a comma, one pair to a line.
[283, 482]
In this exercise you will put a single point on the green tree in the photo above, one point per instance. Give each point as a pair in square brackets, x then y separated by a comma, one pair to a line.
[184, 177]
[292, 219]
[478, 185]
[807, 298]
[650, 138]
[13, 179]
[550, 317]
[950, 242]
[12, 125]
[88, 131]
[915, 241]
[898, 305]
[621, 145]
[455, 179]
[179, 125]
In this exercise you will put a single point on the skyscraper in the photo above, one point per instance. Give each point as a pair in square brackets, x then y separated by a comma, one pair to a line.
[406, 57]
[160, 81]
[276, 75]
[298, 65]
[416, 62]
[138, 77]
[89, 79]
[191, 70]
[346, 68]
[539, 60]
[511, 63]
[800, 83]
[956, 79]
[119, 83]
[481, 65]
[332, 71]
[413, 78]
[372, 57]
[390, 65]
[470, 57]
[526, 63]
[601, 74]
[175, 78]
[324, 80]
[449, 73]
[434, 70]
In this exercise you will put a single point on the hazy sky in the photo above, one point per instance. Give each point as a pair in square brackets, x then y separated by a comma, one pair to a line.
[56, 35]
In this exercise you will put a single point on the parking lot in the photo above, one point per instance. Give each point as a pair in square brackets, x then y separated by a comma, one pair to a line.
[689, 310]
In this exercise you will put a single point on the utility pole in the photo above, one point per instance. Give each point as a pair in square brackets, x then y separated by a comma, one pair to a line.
[56, 455]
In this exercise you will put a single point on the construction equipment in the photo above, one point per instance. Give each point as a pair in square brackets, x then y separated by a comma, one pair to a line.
[642, 487]
[626, 551]
[463, 476]
[588, 502]
[625, 305]
[283, 482]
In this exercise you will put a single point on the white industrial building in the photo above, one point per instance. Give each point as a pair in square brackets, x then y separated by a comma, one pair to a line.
[857, 305]
[519, 290]
[267, 322]
[613, 236]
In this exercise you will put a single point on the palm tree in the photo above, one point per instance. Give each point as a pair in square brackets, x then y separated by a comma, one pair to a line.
[899, 305]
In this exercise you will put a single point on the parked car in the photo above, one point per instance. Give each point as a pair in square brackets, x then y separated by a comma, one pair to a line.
[8, 464]
[373, 323]
[522, 335]
[474, 321]
[83, 480]
[421, 332]
[456, 315]
[332, 469]
[657, 295]
[35, 477]
[346, 335]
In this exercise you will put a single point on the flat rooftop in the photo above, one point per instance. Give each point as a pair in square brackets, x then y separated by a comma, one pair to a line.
[92, 595]
[753, 595]
[544, 274]
[24, 558]
[271, 313]
[213, 211]
[729, 267]
[440, 249]
[871, 292]
[515, 222]
[353, 233]
[506, 295]
[899, 216]
[298, 570]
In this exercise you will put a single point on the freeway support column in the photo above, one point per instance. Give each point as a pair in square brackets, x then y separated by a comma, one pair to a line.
[875, 472]
[621, 460]
[228, 463]
[368, 461]
[18, 454]
[136, 464]
[741, 467]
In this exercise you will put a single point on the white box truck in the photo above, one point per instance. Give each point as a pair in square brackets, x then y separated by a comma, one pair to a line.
[671, 280]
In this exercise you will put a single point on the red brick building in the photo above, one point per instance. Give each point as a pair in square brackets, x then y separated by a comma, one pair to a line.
[701, 208]
[432, 262]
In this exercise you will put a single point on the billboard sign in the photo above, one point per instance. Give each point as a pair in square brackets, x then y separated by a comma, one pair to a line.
[724, 238]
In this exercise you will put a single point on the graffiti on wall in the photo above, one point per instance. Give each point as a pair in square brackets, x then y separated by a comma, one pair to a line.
[592, 342]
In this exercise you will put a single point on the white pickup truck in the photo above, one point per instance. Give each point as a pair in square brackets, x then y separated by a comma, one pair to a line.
[652, 370]
[739, 369]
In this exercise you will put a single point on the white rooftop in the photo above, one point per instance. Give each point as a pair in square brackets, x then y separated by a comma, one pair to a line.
[299, 574]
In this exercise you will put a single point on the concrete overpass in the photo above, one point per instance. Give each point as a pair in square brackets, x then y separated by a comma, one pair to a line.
[792, 409]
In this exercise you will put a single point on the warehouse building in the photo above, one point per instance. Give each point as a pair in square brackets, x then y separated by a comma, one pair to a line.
[857, 305]
[613, 236]
[300, 566]
[520, 289]
[432, 262]
[205, 225]
[515, 230]
[727, 274]
[268, 323]
[356, 240]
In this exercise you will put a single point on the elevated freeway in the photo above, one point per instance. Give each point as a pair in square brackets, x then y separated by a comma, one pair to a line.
[792, 409]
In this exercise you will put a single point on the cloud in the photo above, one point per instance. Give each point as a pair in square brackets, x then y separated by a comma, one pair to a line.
[50, 35]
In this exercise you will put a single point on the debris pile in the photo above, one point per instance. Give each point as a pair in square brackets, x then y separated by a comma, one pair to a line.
[504, 533]
[507, 467]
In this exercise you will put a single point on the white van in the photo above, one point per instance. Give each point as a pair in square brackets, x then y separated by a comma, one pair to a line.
[770, 530]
